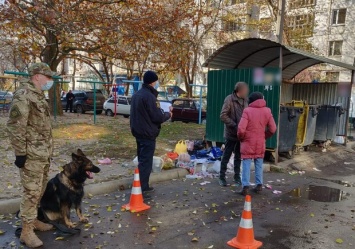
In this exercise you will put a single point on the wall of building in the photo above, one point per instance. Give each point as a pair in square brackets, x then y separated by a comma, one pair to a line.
[325, 32]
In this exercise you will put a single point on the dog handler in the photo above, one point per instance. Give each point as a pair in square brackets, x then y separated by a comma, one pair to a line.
[146, 119]
[30, 131]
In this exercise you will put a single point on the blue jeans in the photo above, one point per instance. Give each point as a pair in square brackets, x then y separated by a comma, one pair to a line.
[145, 153]
[258, 171]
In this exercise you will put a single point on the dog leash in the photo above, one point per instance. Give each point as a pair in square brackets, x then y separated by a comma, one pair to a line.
[62, 230]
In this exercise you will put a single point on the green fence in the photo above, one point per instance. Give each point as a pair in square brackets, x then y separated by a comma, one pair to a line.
[221, 83]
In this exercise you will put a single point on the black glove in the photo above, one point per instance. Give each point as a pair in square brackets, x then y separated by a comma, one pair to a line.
[20, 161]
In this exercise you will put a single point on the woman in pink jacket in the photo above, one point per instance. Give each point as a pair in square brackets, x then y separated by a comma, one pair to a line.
[257, 125]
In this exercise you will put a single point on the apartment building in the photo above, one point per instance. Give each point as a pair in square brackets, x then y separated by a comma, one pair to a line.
[334, 36]
[323, 27]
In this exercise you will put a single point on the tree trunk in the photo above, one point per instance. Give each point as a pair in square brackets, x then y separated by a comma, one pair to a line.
[50, 56]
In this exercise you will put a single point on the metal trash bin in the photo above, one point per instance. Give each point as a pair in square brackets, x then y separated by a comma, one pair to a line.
[328, 119]
[289, 118]
[306, 124]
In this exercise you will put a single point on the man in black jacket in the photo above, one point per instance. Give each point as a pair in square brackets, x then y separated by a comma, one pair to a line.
[145, 120]
[70, 99]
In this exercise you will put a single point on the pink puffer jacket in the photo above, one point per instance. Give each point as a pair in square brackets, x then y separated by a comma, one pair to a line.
[256, 125]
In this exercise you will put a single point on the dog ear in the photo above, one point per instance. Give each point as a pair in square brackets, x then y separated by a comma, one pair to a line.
[80, 152]
[75, 156]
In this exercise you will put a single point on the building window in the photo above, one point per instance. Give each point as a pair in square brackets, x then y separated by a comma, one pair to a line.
[339, 16]
[332, 76]
[232, 26]
[301, 25]
[295, 4]
[335, 48]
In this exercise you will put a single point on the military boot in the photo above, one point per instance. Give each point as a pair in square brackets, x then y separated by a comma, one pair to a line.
[28, 236]
[41, 226]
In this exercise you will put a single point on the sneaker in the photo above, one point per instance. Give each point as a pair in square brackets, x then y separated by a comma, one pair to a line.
[150, 189]
[237, 182]
[146, 196]
[245, 191]
[222, 182]
[258, 188]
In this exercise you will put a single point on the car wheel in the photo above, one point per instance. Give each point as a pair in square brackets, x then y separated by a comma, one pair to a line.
[99, 112]
[109, 113]
[79, 109]
[126, 116]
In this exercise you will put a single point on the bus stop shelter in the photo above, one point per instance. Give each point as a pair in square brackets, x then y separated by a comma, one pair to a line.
[240, 60]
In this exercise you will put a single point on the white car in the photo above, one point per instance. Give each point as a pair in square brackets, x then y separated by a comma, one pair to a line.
[123, 106]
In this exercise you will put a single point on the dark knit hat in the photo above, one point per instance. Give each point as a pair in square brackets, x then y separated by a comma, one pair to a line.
[150, 77]
[255, 96]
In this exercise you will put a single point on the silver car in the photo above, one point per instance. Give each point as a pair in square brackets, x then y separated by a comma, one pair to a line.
[123, 106]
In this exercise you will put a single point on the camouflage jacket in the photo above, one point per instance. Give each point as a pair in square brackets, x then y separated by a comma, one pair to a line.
[29, 125]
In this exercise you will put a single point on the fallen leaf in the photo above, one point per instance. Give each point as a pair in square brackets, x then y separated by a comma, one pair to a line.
[211, 246]
[191, 234]
[119, 225]
[2, 232]
[109, 209]
[59, 238]
[194, 212]
[194, 239]
[312, 214]
[339, 241]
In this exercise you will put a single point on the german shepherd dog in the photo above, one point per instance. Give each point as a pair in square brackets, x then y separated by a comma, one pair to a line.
[66, 190]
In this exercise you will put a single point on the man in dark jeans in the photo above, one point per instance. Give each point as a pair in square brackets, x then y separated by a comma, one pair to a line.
[231, 113]
[146, 118]
[70, 99]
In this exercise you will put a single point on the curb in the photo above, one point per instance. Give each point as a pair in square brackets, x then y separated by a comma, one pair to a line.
[13, 205]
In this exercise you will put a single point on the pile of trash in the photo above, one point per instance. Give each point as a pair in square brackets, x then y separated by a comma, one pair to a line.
[197, 158]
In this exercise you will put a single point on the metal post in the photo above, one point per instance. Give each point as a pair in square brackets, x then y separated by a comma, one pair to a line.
[115, 97]
[94, 103]
[200, 108]
[55, 101]
[280, 26]
[348, 106]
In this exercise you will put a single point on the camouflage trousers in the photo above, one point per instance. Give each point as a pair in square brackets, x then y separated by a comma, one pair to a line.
[34, 178]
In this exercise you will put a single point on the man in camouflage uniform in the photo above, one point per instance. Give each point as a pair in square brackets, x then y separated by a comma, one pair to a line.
[30, 132]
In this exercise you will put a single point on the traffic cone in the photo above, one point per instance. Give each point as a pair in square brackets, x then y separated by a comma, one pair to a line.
[136, 203]
[245, 236]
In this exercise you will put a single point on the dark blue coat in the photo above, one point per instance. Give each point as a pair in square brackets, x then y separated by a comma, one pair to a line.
[146, 115]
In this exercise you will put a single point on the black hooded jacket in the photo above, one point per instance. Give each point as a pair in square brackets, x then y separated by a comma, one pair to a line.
[146, 115]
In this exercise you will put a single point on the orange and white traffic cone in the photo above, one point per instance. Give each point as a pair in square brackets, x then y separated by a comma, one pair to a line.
[245, 236]
[136, 203]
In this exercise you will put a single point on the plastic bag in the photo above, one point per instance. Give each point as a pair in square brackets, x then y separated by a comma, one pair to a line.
[181, 147]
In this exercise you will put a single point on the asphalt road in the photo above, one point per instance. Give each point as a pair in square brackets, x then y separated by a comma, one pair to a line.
[185, 214]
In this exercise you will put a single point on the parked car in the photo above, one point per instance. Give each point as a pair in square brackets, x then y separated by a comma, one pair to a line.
[5, 99]
[187, 110]
[123, 106]
[84, 101]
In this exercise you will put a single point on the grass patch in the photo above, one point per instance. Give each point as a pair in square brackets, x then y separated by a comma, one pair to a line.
[113, 137]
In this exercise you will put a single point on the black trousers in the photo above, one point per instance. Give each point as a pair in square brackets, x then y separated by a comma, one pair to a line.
[69, 105]
[145, 153]
[230, 147]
